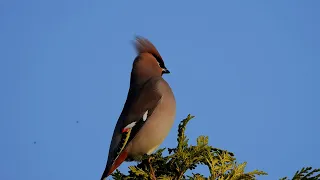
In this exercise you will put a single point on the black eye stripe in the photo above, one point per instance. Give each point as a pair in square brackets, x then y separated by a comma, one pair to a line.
[160, 61]
[161, 64]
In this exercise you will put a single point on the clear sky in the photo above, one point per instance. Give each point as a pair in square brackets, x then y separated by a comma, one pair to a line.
[248, 71]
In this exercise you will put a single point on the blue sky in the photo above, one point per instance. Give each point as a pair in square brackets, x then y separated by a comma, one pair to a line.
[248, 71]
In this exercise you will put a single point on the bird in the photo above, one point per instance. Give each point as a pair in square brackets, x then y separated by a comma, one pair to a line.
[148, 112]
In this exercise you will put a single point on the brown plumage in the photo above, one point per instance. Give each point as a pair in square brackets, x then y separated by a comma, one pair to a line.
[148, 113]
[145, 46]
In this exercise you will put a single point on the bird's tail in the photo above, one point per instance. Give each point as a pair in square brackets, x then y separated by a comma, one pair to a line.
[115, 165]
[104, 175]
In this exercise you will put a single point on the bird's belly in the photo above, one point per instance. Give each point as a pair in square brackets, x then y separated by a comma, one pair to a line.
[153, 132]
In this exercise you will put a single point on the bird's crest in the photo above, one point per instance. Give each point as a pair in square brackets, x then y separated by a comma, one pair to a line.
[143, 45]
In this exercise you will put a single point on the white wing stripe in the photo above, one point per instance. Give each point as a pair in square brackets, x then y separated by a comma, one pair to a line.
[145, 116]
[129, 126]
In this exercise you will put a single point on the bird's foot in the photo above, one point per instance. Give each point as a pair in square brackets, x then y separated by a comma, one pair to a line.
[152, 175]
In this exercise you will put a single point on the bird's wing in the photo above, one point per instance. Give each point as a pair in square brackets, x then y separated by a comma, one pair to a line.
[138, 108]
[142, 105]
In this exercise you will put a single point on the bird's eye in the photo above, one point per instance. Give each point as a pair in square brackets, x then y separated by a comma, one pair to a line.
[160, 64]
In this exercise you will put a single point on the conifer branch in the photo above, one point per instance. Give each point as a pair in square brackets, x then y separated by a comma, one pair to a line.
[222, 164]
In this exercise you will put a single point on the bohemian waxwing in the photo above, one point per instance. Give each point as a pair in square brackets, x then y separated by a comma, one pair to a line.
[148, 113]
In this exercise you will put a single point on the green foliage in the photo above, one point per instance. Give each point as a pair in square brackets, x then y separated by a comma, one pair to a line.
[221, 164]
[305, 173]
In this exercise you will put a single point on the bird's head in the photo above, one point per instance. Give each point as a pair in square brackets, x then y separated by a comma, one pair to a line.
[148, 62]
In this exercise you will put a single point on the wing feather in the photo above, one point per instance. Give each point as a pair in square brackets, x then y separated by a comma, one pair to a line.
[139, 101]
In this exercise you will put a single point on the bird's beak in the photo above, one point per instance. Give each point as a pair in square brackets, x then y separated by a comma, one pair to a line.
[165, 71]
